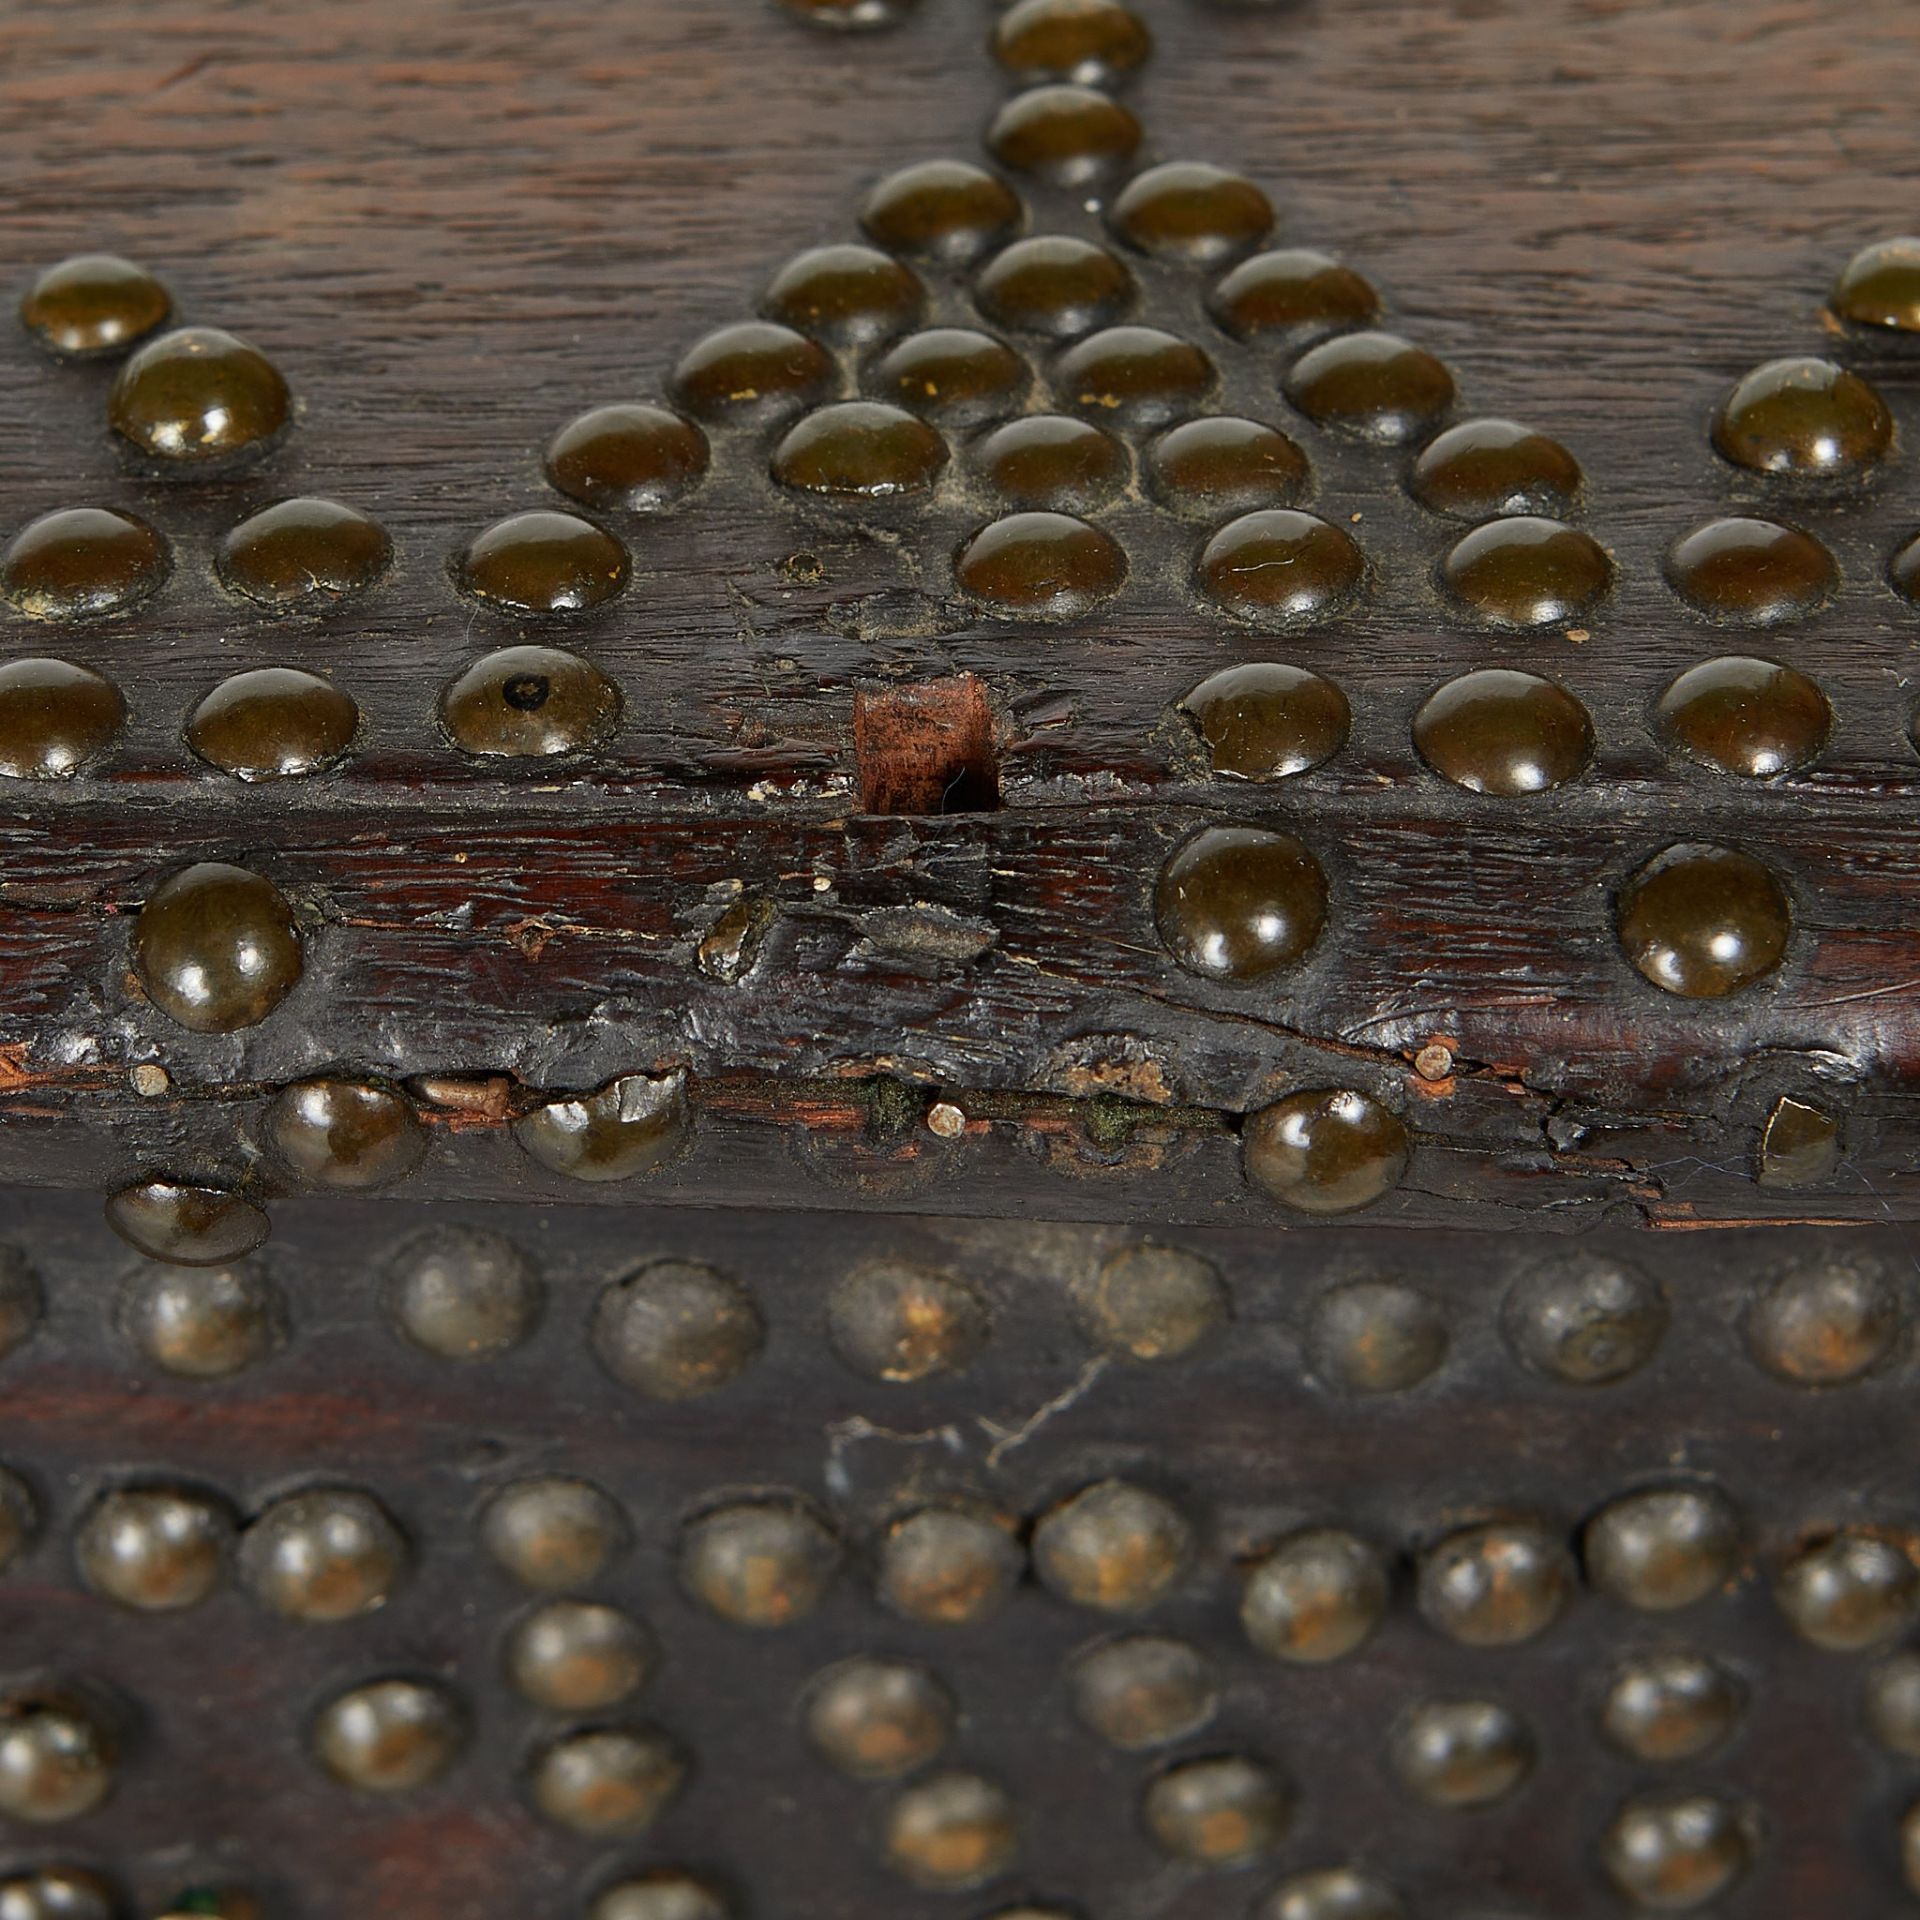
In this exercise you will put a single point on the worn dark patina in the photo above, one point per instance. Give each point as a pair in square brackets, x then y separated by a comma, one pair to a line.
[962, 1041]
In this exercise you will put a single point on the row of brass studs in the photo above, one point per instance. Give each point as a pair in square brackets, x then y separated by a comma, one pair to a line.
[679, 1330]
[218, 947]
[1505, 732]
[1312, 1599]
[1498, 731]
[1239, 904]
[191, 402]
[1514, 571]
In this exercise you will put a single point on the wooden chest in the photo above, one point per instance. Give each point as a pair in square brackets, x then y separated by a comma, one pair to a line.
[958, 959]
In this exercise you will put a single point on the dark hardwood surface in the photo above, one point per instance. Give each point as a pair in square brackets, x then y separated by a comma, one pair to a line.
[453, 226]
[1242, 1435]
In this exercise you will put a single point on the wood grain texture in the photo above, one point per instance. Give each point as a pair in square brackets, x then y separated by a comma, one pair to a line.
[1242, 1435]
[454, 226]
[455, 223]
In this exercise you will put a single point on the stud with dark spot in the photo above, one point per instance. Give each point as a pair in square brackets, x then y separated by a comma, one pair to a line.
[1041, 566]
[1067, 134]
[543, 561]
[58, 1757]
[186, 1226]
[759, 1563]
[1314, 1598]
[1265, 721]
[346, 1135]
[947, 211]
[1239, 903]
[93, 307]
[628, 457]
[1220, 464]
[1524, 571]
[1754, 718]
[900, 1323]
[1677, 1855]
[955, 376]
[949, 1565]
[1113, 1546]
[1093, 42]
[1849, 1592]
[1826, 1322]
[1665, 1548]
[631, 1126]
[1332, 1893]
[607, 1783]
[55, 716]
[1376, 1336]
[80, 562]
[875, 1719]
[216, 948]
[663, 1893]
[1484, 468]
[1371, 386]
[1671, 1706]
[273, 723]
[578, 1656]
[154, 1549]
[198, 398]
[1193, 213]
[859, 450]
[1799, 1146]
[203, 1323]
[462, 1293]
[951, 1832]
[1703, 921]
[1054, 285]
[1139, 376]
[1052, 460]
[330, 1555]
[1504, 732]
[1461, 1753]
[1750, 572]
[1326, 1151]
[1144, 1690]
[1803, 418]
[530, 703]
[390, 1736]
[1584, 1319]
[846, 295]
[677, 1330]
[1496, 1585]
[552, 1533]
[304, 553]
[1223, 1810]
[751, 373]
[1281, 568]
[1153, 1303]
[1290, 296]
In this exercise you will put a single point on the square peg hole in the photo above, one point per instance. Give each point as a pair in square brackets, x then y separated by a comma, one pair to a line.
[927, 748]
